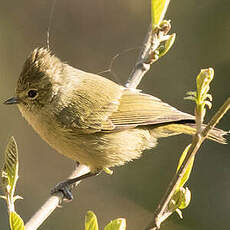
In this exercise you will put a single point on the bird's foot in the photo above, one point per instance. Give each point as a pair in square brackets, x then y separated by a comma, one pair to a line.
[65, 188]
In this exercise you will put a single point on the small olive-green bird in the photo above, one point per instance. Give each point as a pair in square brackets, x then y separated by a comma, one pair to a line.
[91, 119]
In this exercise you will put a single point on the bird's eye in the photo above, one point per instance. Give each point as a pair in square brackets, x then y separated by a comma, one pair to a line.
[32, 93]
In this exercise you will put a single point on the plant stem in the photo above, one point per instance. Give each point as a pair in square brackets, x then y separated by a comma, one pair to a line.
[159, 215]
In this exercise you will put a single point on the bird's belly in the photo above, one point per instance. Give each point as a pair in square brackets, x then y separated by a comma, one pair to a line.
[102, 150]
[96, 150]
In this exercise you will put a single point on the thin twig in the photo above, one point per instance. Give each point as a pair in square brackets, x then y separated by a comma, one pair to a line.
[216, 118]
[148, 54]
[197, 141]
[140, 68]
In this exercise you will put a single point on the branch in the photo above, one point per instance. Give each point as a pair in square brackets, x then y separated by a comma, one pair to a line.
[140, 68]
[150, 52]
[161, 212]
[217, 117]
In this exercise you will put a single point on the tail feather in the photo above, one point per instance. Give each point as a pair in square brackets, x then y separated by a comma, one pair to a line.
[190, 129]
[215, 134]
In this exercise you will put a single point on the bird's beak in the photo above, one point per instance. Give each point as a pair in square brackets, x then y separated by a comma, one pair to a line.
[12, 101]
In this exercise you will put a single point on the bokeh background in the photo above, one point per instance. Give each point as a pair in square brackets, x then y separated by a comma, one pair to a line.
[87, 34]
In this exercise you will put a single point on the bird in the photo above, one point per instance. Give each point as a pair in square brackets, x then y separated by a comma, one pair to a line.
[93, 120]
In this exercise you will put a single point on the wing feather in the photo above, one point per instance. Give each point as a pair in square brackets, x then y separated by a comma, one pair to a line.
[137, 109]
[101, 105]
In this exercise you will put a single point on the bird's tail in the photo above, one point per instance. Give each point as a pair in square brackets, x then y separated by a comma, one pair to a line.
[190, 129]
[215, 134]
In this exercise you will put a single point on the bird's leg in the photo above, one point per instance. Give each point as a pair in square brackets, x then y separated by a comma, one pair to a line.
[76, 165]
[66, 186]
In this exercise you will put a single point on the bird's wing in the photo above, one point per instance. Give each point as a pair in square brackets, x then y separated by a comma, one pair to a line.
[130, 109]
[137, 109]
[102, 105]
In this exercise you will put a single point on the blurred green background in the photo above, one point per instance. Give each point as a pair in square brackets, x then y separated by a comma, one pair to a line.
[87, 34]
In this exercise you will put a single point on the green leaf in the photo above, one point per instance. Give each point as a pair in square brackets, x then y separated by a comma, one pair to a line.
[117, 224]
[9, 178]
[16, 222]
[180, 200]
[158, 11]
[202, 97]
[185, 198]
[108, 171]
[178, 211]
[189, 168]
[167, 45]
[91, 221]
[191, 93]
[10, 167]
[191, 96]
[203, 81]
